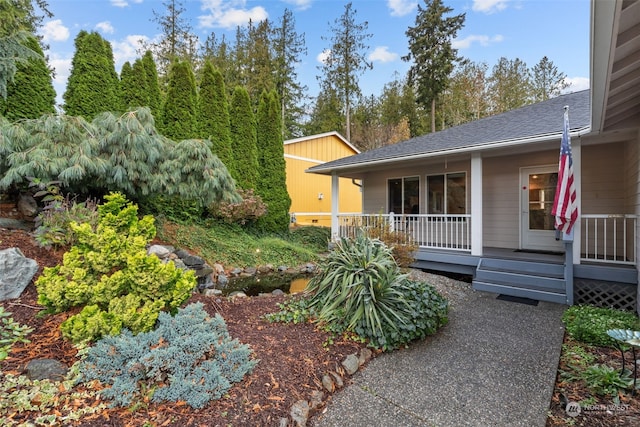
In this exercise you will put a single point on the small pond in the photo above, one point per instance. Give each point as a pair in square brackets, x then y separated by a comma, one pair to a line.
[253, 286]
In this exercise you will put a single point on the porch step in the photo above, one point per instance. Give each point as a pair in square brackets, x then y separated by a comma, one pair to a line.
[535, 280]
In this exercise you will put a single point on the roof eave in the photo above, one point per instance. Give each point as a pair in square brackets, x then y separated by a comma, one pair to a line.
[328, 170]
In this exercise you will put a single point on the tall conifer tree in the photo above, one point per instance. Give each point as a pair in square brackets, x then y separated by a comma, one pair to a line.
[243, 140]
[179, 109]
[31, 94]
[92, 87]
[152, 84]
[272, 185]
[213, 113]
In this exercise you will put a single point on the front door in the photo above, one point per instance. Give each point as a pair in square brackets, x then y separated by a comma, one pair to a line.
[538, 189]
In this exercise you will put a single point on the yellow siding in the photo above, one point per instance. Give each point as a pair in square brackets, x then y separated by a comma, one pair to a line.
[322, 149]
[305, 188]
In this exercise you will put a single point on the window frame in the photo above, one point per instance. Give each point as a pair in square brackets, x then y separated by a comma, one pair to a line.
[445, 193]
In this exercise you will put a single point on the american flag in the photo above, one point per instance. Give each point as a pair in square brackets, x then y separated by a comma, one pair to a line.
[565, 207]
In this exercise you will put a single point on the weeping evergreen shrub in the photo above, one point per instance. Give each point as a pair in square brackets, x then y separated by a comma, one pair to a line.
[188, 357]
[360, 289]
[112, 153]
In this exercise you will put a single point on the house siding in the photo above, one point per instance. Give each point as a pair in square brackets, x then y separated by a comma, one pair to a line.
[501, 191]
[375, 184]
[603, 182]
[305, 188]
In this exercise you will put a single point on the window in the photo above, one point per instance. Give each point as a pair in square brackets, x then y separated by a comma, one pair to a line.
[447, 194]
[404, 195]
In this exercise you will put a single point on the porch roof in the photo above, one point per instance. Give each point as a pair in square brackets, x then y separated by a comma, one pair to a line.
[525, 125]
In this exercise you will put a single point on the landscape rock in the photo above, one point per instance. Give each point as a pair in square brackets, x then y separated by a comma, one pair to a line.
[212, 292]
[251, 271]
[351, 364]
[300, 413]
[365, 355]
[328, 384]
[16, 271]
[219, 269]
[236, 271]
[223, 280]
[27, 206]
[190, 260]
[203, 271]
[316, 399]
[277, 292]
[46, 369]
[337, 379]
[160, 251]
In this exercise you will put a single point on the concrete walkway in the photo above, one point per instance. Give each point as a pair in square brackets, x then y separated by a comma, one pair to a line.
[494, 364]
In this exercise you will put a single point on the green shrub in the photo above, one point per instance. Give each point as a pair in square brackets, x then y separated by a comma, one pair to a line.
[188, 357]
[109, 273]
[54, 222]
[11, 332]
[360, 289]
[589, 324]
[248, 210]
[402, 245]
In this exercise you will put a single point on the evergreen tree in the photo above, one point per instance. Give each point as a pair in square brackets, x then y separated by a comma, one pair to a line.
[18, 23]
[547, 81]
[272, 185]
[140, 93]
[509, 85]
[466, 99]
[346, 59]
[177, 40]
[259, 75]
[244, 167]
[31, 94]
[432, 53]
[179, 117]
[92, 87]
[288, 47]
[152, 85]
[327, 115]
[213, 113]
[127, 87]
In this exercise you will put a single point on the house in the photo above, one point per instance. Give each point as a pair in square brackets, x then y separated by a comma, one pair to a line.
[483, 191]
[311, 194]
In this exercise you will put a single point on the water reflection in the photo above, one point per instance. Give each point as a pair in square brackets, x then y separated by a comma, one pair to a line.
[298, 285]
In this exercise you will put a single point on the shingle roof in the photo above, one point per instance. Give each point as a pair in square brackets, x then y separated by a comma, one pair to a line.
[535, 120]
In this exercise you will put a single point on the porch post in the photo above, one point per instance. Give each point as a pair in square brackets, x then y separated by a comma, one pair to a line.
[335, 196]
[476, 204]
[576, 154]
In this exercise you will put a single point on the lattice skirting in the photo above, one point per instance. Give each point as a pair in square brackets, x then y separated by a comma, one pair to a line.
[605, 294]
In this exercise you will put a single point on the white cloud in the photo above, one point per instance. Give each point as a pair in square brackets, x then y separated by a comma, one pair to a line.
[127, 49]
[382, 54]
[105, 27]
[62, 67]
[323, 56]
[123, 3]
[577, 83]
[482, 40]
[401, 7]
[229, 14]
[489, 6]
[300, 4]
[54, 31]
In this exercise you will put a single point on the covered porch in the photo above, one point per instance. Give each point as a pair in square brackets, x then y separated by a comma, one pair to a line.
[605, 273]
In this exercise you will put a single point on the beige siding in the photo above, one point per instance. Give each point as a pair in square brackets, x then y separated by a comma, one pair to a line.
[603, 179]
[501, 191]
[375, 184]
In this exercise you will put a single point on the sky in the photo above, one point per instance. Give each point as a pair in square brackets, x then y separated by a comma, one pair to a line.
[523, 29]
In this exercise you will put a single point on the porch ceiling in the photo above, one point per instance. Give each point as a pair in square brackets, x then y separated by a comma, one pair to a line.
[616, 64]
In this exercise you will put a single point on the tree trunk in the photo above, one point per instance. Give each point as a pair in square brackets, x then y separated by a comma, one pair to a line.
[433, 115]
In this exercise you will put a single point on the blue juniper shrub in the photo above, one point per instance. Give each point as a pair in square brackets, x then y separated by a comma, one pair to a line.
[189, 357]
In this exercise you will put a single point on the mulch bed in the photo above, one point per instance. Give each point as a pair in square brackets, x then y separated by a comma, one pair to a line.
[293, 358]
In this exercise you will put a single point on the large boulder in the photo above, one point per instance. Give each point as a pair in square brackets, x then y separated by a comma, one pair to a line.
[16, 271]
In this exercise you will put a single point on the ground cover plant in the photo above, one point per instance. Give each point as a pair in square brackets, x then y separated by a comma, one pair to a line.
[591, 372]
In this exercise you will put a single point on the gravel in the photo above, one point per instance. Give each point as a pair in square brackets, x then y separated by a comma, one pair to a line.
[453, 288]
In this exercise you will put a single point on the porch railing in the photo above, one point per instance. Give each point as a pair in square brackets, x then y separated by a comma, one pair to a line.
[451, 232]
[609, 238]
